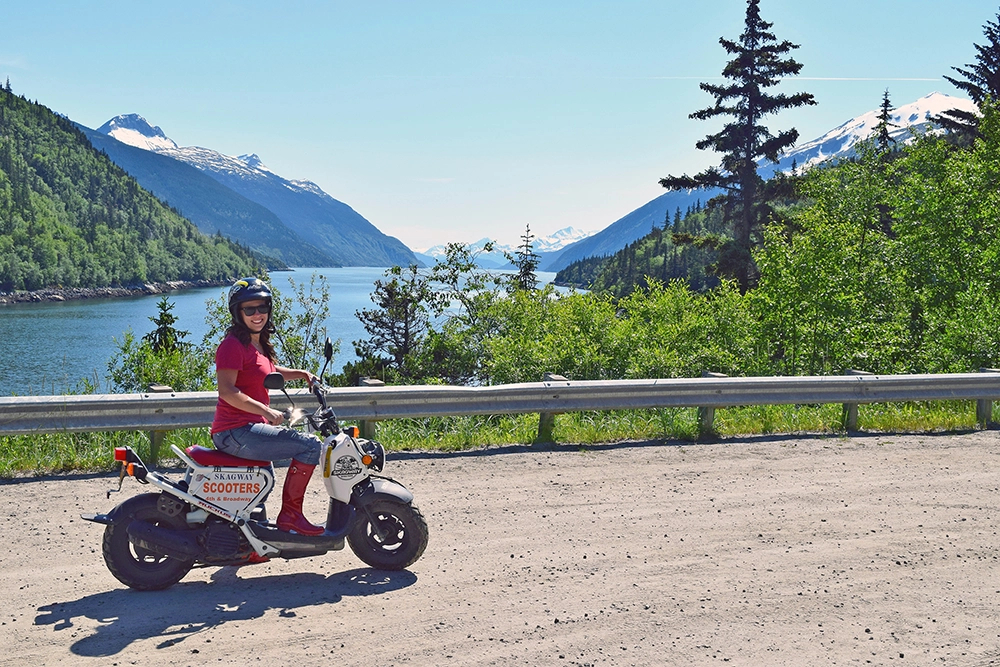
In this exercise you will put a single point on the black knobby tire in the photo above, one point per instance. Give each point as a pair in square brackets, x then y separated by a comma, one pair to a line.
[399, 539]
[139, 568]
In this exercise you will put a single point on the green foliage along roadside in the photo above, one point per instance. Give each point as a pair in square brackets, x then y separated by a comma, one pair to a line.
[891, 266]
[70, 218]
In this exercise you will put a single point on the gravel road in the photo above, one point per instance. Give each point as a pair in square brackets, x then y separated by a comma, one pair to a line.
[804, 550]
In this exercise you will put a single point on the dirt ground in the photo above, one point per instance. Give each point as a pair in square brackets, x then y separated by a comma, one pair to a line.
[877, 549]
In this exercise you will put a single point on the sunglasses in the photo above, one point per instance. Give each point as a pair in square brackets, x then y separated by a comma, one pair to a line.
[250, 310]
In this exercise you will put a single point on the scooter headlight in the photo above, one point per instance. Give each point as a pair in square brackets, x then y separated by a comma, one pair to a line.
[373, 455]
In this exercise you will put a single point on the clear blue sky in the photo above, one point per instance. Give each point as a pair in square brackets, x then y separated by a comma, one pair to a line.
[453, 120]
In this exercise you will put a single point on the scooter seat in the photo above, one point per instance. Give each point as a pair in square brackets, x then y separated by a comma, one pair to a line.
[213, 457]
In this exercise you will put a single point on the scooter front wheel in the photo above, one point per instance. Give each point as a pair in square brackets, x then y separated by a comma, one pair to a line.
[134, 566]
[391, 535]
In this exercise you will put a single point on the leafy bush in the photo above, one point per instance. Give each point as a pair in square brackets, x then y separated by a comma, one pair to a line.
[162, 357]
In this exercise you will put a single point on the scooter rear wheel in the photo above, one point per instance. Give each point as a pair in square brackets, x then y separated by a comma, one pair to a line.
[139, 568]
[392, 535]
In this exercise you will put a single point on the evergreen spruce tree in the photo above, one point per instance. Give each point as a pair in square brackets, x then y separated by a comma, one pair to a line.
[979, 80]
[526, 262]
[759, 63]
[883, 140]
[165, 338]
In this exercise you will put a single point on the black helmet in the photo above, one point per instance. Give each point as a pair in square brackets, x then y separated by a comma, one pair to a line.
[247, 289]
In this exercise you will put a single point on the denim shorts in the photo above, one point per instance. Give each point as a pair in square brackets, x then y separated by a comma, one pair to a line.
[264, 442]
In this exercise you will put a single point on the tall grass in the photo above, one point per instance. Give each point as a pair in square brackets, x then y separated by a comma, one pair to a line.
[886, 417]
[83, 452]
[52, 453]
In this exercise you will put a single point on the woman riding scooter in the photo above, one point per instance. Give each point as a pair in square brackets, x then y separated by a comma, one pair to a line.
[244, 424]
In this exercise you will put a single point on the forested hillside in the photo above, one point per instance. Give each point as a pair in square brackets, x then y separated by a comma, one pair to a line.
[658, 255]
[69, 217]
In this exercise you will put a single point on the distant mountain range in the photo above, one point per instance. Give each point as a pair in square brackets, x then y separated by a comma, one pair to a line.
[839, 142]
[292, 220]
[546, 247]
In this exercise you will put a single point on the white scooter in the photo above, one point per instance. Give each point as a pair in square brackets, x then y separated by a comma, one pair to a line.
[212, 516]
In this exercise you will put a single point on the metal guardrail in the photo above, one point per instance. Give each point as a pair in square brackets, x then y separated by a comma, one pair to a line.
[176, 410]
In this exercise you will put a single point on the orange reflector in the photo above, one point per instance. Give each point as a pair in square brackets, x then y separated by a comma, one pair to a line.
[352, 431]
[366, 459]
[131, 469]
[120, 453]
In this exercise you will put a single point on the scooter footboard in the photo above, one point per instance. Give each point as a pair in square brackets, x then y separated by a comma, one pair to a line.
[290, 543]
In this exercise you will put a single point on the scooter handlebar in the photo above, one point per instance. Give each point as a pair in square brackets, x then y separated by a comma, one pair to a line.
[319, 389]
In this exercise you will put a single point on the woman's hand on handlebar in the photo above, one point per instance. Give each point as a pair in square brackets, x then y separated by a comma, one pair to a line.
[317, 386]
[274, 418]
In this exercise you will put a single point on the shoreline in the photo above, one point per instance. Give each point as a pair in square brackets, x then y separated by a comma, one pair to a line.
[56, 294]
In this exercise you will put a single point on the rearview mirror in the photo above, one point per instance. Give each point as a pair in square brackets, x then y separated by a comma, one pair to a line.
[328, 350]
[274, 381]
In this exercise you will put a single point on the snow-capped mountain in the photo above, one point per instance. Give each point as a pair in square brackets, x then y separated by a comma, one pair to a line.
[494, 259]
[555, 241]
[840, 142]
[134, 130]
[559, 239]
[210, 205]
[303, 207]
[545, 247]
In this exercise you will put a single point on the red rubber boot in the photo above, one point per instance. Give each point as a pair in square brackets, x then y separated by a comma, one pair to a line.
[291, 519]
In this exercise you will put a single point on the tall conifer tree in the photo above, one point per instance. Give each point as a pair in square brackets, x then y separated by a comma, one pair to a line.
[759, 63]
[525, 260]
[980, 81]
[883, 140]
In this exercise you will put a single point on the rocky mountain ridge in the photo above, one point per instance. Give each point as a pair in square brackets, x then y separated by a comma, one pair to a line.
[313, 218]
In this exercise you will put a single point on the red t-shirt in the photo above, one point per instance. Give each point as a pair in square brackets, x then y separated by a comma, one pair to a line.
[252, 367]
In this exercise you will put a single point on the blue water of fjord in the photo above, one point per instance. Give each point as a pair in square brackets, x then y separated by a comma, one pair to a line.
[49, 348]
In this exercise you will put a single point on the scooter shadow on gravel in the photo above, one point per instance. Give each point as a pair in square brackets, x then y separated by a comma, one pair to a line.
[187, 609]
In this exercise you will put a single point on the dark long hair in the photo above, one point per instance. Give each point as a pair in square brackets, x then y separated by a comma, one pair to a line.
[242, 333]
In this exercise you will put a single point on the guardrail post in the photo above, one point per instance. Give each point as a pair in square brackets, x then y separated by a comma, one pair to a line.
[547, 420]
[849, 415]
[367, 427]
[156, 437]
[706, 415]
[984, 406]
